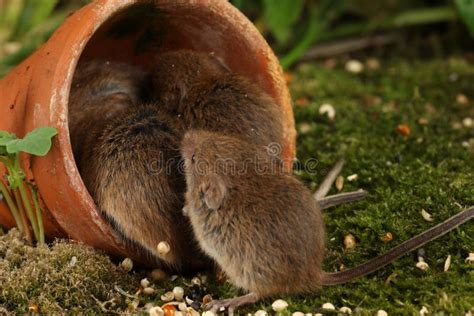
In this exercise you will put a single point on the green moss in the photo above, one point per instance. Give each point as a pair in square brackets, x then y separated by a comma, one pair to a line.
[49, 280]
[429, 169]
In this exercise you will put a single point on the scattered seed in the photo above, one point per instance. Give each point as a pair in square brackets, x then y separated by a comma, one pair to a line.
[349, 242]
[127, 264]
[179, 313]
[183, 307]
[470, 258]
[208, 313]
[192, 312]
[144, 282]
[467, 122]
[462, 99]
[178, 293]
[339, 183]
[345, 310]
[33, 308]
[158, 275]
[169, 310]
[207, 298]
[403, 129]
[298, 314]
[318, 314]
[73, 262]
[427, 216]
[373, 63]
[261, 312]
[422, 265]
[381, 312]
[386, 237]
[456, 125]
[328, 306]
[188, 300]
[148, 306]
[196, 281]
[304, 128]
[354, 66]
[279, 305]
[148, 291]
[132, 306]
[353, 177]
[156, 311]
[329, 110]
[423, 311]
[167, 297]
[447, 263]
[423, 121]
[163, 248]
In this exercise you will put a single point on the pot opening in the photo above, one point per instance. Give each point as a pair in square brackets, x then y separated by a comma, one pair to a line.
[137, 33]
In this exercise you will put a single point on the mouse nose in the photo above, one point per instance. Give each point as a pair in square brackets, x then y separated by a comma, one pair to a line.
[188, 150]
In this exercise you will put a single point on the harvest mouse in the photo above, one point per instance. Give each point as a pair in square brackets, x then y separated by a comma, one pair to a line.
[200, 90]
[261, 225]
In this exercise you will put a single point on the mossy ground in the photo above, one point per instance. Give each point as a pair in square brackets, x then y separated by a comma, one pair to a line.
[431, 169]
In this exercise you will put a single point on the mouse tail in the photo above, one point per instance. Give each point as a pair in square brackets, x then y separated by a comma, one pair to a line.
[398, 251]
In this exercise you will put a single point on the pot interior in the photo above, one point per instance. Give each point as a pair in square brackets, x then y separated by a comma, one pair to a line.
[139, 32]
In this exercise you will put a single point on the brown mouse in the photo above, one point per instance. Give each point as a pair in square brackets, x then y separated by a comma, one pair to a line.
[200, 90]
[131, 170]
[127, 153]
[261, 225]
[100, 89]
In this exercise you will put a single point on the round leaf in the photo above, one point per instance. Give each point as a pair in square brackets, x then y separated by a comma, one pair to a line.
[36, 142]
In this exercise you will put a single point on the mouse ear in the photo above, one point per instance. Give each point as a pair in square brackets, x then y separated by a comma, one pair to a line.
[213, 192]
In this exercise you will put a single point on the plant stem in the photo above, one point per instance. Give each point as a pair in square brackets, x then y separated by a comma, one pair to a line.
[39, 215]
[12, 207]
[16, 194]
[31, 216]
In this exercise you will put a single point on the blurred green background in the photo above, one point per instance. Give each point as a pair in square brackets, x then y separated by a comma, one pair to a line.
[296, 29]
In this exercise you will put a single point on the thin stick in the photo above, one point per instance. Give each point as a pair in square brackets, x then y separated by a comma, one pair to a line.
[325, 186]
[348, 45]
[333, 200]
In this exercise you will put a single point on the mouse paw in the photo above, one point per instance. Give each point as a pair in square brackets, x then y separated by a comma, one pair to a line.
[231, 303]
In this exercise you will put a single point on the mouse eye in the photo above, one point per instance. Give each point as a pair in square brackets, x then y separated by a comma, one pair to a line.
[193, 158]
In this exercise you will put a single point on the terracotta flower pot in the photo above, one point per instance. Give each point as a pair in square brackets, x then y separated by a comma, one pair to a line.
[36, 92]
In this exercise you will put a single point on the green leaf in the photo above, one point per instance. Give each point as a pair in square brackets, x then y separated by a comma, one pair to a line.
[5, 137]
[280, 15]
[36, 142]
[466, 10]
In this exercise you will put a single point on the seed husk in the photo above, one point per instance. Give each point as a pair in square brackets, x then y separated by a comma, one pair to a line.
[279, 305]
[163, 248]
